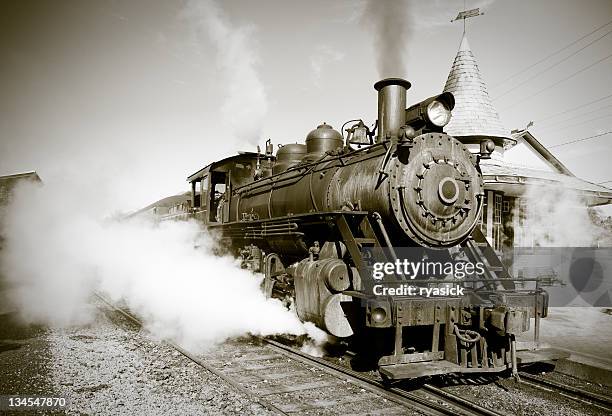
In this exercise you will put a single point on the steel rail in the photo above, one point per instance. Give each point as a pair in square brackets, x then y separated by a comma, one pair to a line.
[574, 393]
[459, 400]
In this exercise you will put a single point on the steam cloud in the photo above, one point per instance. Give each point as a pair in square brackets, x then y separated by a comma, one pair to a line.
[59, 247]
[245, 103]
[57, 254]
[557, 217]
[390, 23]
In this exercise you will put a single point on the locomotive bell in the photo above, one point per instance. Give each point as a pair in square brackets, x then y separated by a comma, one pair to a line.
[358, 135]
[321, 140]
[391, 107]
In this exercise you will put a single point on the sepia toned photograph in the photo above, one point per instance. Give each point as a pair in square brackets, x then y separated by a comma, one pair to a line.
[283, 207]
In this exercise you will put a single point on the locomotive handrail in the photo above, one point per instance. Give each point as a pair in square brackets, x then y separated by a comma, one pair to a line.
[383, 231]
[371, 151]
[294, 217]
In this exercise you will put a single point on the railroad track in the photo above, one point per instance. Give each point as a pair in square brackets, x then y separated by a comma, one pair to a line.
[574, 393]
[428, 397]
[193, 358]
[283, 379]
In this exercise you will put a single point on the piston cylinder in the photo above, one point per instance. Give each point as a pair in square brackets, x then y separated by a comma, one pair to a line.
[318, 287]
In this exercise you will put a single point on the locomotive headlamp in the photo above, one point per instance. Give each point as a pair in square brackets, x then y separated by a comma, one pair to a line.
[434, 112]
[379, 314]
[438, 114]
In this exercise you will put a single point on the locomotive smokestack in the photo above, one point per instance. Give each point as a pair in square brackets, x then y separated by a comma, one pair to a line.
[391, 106]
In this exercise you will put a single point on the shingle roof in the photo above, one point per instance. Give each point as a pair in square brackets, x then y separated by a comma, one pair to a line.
[474, 114]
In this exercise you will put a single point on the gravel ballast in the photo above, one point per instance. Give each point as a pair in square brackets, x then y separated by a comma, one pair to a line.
[104, 369]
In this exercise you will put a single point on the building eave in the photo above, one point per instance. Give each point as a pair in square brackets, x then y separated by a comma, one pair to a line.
[542, 152]
[516, 185]
[29, 175]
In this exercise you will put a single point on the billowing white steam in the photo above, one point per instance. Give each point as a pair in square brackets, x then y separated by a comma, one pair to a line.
[556, 216]
[390, 24]
[245, 103]
[56, 254]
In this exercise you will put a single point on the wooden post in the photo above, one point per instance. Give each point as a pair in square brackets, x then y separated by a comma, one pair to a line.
[489, 219]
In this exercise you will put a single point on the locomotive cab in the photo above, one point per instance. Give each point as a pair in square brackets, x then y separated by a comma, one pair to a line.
[212, 185]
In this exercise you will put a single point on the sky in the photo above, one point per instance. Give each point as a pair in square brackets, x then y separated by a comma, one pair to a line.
[133, 96]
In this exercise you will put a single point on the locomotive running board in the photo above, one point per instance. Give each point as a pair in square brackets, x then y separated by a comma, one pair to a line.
[431, 368]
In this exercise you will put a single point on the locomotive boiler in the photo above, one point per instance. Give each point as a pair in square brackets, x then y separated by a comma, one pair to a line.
[316, 217]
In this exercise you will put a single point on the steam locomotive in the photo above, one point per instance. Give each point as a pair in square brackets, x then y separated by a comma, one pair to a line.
[315, 217]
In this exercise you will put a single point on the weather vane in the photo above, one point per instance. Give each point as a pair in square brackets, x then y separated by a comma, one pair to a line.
[466, 14]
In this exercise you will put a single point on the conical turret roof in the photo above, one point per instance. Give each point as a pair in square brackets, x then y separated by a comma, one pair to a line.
[474, 116]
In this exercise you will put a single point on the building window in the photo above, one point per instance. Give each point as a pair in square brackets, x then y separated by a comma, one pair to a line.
[523, 237]
[497, 209]
[522, 211]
